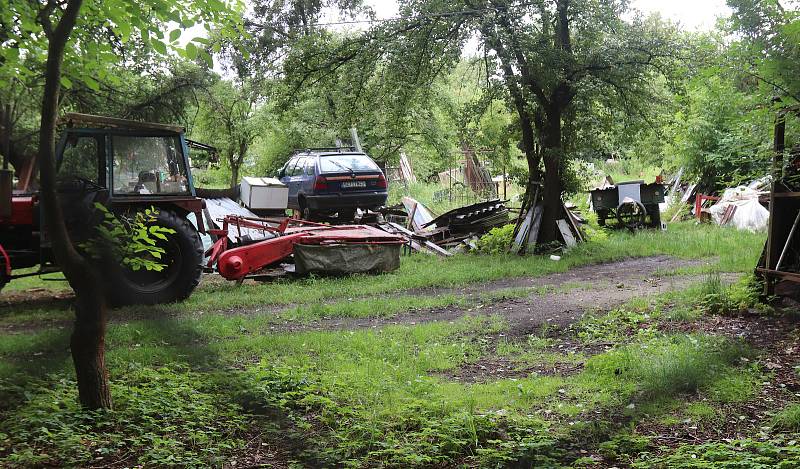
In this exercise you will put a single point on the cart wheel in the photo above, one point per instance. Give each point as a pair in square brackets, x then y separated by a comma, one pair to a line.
[631, 215]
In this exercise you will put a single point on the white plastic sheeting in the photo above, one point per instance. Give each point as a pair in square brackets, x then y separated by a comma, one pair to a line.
[749, 213]
[219, 208]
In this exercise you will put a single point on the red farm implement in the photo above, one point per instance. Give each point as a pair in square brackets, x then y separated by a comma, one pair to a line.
[316, 248]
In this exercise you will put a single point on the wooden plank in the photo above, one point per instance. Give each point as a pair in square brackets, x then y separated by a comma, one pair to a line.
[566, 233]
[522, 235]
[573, 223]
[791, 276]
[422, 243]
[533, 235]
[410, 223]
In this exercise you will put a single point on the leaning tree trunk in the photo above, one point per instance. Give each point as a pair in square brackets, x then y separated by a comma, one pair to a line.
[88, 338]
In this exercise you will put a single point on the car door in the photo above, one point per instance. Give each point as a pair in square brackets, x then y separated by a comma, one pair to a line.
[285, 177]
[294, 181]
[309, 175]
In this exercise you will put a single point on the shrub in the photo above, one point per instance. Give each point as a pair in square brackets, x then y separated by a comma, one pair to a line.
[496, 241]
[716, 298]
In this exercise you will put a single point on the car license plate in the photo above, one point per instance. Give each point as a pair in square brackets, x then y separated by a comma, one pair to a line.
[351, 184]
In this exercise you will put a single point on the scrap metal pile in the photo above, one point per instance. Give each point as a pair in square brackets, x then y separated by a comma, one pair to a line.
[456, 229]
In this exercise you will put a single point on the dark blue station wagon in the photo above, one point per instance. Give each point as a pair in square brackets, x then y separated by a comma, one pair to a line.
[323, 182]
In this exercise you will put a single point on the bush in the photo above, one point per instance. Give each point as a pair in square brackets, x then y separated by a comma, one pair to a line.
[775, 453]
[496, 241]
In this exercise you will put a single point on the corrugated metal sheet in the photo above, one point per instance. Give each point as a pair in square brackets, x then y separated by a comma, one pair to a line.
[219, 208]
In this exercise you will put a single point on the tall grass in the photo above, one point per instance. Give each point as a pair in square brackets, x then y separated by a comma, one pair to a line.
[666, 366]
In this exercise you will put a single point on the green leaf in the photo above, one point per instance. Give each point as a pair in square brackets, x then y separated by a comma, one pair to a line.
[206, 57]
[159, 46]
[91, 83]
[191, 51]
[66, 82]
[174, 35]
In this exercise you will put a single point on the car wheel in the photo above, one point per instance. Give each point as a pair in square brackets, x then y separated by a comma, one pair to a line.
[307, 213]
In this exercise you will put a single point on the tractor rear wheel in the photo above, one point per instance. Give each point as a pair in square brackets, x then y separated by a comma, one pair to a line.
[183, 265]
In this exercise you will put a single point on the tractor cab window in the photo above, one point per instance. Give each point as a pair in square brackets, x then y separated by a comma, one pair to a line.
[148, 165]
[80, 160]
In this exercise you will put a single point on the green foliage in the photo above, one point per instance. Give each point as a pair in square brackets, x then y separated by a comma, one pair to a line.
[624, 447]
[164, 416]
[127, 20]
[228, 117]
[497, 240]
[773, 453]
[722, 136]
[665, 366]
[417, 433]
[130, 239]
[615, 326]
[717, 298]
[788, 419]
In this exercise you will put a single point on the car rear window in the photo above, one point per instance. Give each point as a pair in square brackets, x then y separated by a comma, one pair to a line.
[339, 163]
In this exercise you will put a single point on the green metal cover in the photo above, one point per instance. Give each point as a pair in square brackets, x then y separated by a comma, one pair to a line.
[350, 258]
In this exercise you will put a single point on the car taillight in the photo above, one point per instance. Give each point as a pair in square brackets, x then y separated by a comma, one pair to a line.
[320, 183]
[381, 182]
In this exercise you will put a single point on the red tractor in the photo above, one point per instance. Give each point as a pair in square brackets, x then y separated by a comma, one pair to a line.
[127, 166]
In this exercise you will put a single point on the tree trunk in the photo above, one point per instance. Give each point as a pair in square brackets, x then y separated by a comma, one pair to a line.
[553, 154]
[234, 172]
[88, 338]
[88, 351]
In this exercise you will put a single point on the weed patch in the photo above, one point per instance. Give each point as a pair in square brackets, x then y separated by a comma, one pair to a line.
[666, 366]
[788, 419]
[163, 417]
[775, 453]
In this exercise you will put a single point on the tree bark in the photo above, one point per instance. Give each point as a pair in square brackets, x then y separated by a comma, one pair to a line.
[234, 164]
[552, 150]
[88, 338]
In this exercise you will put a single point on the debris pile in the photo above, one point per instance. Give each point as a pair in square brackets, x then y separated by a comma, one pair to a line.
[526, 233]
[459, 227]
[740, 207]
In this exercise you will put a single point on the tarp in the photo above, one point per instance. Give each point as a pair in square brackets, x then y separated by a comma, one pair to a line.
[747, 211]
[341, 259]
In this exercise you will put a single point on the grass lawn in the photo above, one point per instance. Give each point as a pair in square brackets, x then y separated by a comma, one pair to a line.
[209, 382]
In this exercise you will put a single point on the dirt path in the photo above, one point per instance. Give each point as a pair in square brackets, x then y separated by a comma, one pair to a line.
[593, 288]
[568, 296]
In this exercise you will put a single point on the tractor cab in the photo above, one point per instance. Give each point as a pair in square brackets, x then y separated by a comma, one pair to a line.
[127, 166]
